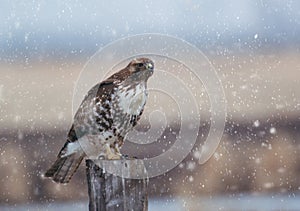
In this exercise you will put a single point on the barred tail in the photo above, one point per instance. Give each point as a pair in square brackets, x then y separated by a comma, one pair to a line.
[64, 167]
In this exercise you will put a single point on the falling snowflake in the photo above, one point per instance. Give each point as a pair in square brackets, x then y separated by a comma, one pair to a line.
[272, 130]
[256, 123]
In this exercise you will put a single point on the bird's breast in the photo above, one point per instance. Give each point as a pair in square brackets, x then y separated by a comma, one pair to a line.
[131, 100]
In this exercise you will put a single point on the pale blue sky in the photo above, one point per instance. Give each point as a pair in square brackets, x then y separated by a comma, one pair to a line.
[35, 27]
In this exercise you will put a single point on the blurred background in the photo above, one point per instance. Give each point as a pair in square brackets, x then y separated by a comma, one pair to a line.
[254, 47]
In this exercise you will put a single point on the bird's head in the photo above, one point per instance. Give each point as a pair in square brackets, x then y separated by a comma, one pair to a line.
[141, 68]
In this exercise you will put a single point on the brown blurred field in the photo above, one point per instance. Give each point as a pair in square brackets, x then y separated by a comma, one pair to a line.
[259, 151]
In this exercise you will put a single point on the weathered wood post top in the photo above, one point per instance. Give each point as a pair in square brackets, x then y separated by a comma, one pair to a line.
[117, 185]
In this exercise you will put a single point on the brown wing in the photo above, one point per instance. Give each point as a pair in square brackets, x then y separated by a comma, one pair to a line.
[100, 93]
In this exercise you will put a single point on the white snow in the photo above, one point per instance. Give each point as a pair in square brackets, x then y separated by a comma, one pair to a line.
[256, 123]
[272, 130]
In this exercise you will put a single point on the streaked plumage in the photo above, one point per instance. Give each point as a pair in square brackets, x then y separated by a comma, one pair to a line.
[107, 113]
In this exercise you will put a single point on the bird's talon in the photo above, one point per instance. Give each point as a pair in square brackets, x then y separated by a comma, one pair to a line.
[127, 157]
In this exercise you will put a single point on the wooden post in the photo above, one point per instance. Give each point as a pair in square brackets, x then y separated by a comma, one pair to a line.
[108, 192]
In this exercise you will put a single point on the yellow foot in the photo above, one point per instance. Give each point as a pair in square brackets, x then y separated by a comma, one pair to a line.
[112, 156]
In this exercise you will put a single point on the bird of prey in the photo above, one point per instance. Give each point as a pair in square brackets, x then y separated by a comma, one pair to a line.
[108, 112]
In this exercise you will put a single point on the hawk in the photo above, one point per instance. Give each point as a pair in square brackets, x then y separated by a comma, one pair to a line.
[108, 112]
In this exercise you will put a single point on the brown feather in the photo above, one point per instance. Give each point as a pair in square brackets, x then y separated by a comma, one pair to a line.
[64, 167]
[95, 116]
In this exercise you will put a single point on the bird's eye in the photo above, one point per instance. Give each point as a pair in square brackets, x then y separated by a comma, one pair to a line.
[149, 66]
[140, 64]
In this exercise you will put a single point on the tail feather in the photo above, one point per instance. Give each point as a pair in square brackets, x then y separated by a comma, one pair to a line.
[64, 167]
